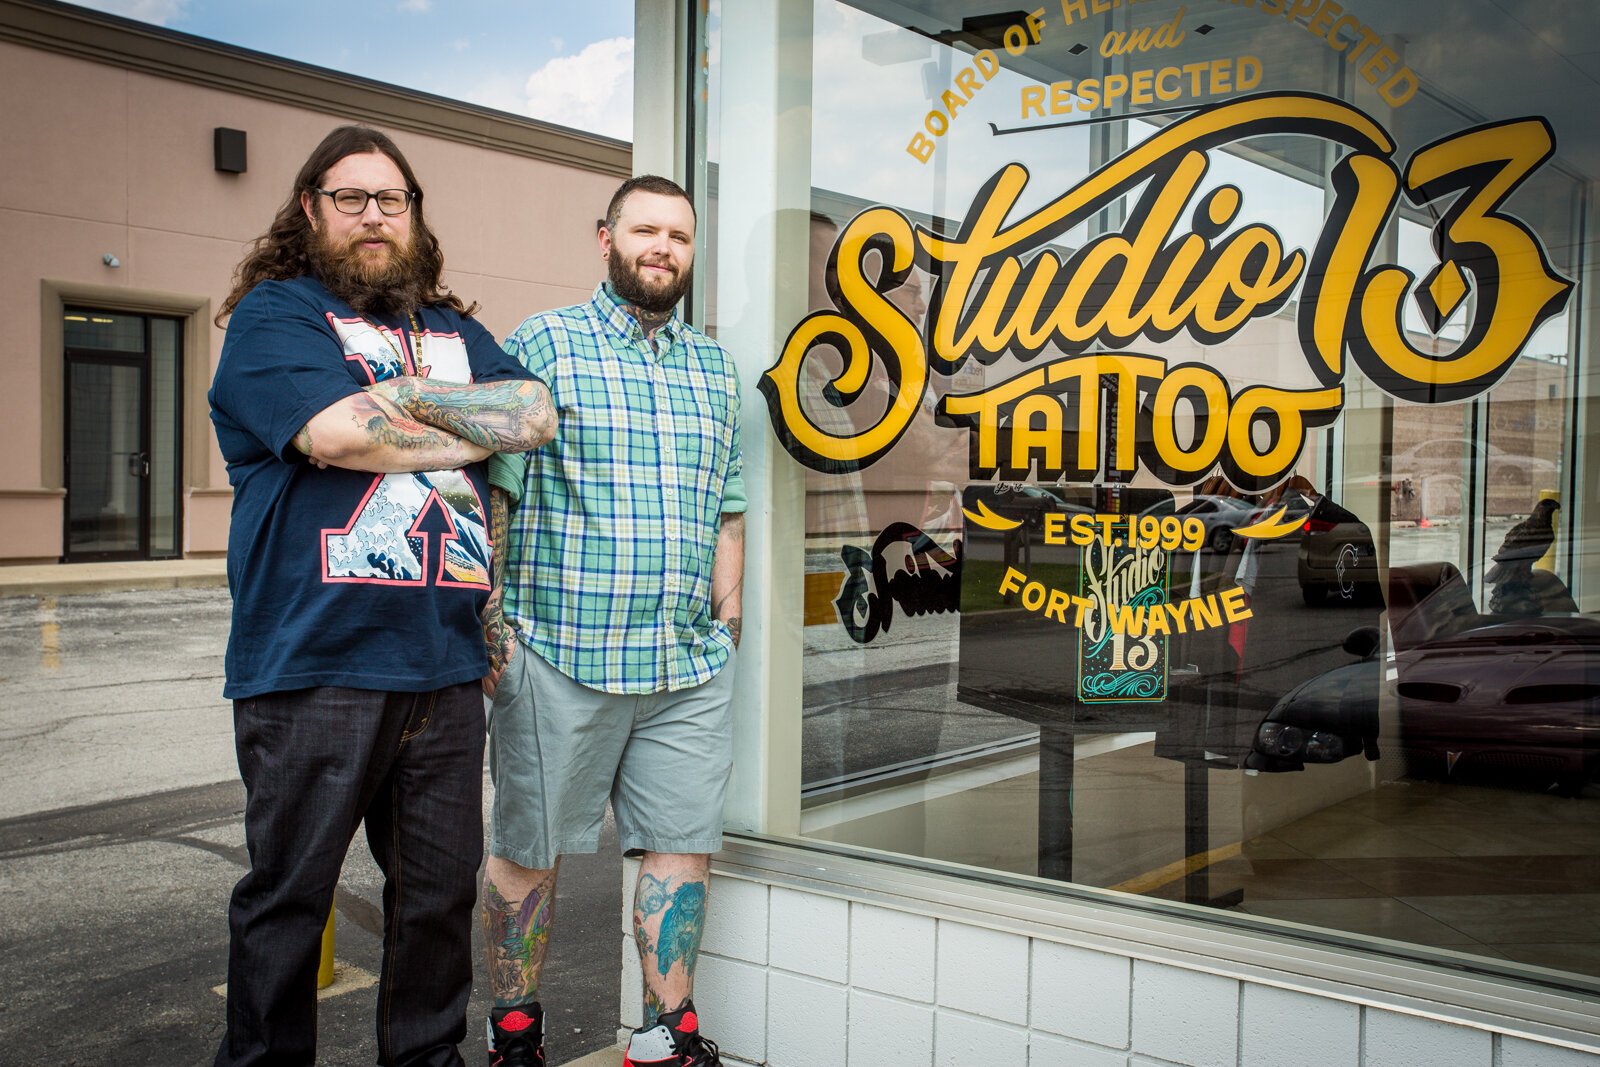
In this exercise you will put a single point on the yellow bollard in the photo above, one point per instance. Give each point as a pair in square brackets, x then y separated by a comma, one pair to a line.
[1547, 562]
[325, 966]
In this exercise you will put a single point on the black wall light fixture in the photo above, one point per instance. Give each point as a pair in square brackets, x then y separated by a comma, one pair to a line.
[227, 147]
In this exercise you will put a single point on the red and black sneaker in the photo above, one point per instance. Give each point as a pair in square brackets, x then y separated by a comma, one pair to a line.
[674, 1041]
[516, 1036]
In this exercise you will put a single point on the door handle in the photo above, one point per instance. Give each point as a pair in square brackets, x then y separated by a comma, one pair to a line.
[139, 464]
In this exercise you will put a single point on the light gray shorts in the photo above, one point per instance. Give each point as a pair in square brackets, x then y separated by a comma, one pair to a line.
[558, 749]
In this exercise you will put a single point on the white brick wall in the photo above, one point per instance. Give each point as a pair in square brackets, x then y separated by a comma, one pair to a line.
[1515, 1052]
[1185, 1016]
[810, 934]
[797, 979]
[736, 920]
[983, 972]
[1395, 1040]
[1276, 1023]
[806, 1021]
[886, 1032]
[964, 1040]
[892, 952]
[732, 997]
[1047, 1050]
[1082, 994]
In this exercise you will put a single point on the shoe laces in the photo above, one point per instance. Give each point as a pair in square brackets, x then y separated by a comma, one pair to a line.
[705, 1052]
[517, 1051]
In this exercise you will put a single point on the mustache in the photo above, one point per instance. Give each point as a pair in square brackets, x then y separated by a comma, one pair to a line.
[662, 262]
[357, 239]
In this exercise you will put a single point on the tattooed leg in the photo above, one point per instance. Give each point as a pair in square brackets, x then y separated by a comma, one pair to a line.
[518, 908]
[669, 916]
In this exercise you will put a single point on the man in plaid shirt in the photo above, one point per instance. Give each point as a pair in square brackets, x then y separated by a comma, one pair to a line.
[613, 624]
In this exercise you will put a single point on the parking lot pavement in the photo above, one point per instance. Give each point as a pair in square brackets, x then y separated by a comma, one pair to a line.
[121, 836]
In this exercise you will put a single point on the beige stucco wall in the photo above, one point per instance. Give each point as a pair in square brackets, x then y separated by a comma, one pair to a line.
[102, 159]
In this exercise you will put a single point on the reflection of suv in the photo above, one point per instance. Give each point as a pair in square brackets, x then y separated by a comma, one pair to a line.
[1337, 555]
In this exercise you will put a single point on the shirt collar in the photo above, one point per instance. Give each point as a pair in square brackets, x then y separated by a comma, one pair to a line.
[609, 310]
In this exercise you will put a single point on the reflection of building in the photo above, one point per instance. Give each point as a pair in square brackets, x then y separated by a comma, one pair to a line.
[930, 874]
[139, 162]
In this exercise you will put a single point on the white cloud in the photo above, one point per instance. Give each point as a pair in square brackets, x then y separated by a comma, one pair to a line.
[417, 7]
[157, 12]
[461, 44]
[592, 90]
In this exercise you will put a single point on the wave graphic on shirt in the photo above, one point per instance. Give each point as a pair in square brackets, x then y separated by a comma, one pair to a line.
[404, 523]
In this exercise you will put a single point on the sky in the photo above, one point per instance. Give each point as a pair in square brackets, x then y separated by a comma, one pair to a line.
[561, 61]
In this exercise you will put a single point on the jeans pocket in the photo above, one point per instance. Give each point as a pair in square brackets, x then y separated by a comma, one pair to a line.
[421, 715]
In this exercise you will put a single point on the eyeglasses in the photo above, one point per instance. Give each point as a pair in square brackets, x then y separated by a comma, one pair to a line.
[354, 201]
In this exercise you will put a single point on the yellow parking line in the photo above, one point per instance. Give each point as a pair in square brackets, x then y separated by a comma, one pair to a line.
[1150, 881]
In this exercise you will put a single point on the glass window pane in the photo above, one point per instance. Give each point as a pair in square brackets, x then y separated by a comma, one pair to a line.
[165, 429]
[103, 331]
[104, 482]
[1368, 705]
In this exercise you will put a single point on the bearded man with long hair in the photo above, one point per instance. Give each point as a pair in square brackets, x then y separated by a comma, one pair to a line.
[356, 401]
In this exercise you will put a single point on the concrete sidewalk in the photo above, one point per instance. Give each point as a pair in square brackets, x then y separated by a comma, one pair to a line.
[54, 579]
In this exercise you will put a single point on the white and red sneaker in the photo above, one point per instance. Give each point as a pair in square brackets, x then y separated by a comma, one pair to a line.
[674, 1041]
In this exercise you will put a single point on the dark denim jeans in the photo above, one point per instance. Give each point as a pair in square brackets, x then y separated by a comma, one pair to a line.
[315, 763]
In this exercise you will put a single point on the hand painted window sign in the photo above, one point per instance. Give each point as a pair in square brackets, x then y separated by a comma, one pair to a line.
[999, 289]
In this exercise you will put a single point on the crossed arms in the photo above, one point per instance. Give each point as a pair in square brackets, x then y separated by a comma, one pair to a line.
[414, 424]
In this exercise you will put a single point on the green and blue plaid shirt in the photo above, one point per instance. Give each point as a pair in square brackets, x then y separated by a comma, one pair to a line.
[608, 570]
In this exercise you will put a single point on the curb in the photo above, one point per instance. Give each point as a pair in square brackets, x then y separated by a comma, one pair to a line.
[67, 579]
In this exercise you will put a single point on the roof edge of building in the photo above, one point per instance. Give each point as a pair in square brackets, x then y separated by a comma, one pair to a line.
[155, 50]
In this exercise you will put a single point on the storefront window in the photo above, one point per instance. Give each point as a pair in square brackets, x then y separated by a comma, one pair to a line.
[1198, 476]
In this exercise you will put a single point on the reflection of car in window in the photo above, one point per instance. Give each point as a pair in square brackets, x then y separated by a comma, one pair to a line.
[1337, 556]
[1480, 698]
[1220, 514]
[1514, 703]
[1442, 459]
[1327, 718]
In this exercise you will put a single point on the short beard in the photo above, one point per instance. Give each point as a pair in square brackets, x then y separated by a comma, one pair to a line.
[630, 287]
[396, 286]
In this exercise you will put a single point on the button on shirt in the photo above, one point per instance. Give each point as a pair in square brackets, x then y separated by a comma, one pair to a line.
[608, 570]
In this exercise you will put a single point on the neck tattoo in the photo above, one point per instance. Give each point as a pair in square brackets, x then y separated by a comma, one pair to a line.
[649, 321]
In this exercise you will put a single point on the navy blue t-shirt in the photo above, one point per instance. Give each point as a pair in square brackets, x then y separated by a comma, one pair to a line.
[369, 581]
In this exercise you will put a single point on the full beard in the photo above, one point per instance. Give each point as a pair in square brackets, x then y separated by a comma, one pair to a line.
[629, 283]
[395, 284]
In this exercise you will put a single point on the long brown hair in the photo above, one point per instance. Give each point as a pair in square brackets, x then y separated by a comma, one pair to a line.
[284, 251]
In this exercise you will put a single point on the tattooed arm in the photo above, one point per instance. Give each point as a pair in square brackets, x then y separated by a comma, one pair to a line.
[510, 416]
[365, 432]
[727, 573]
[497, 633]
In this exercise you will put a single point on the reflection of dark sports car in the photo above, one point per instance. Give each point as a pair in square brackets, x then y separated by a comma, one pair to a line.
[1337, 557]
[1326, 718]
[1511, 701]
